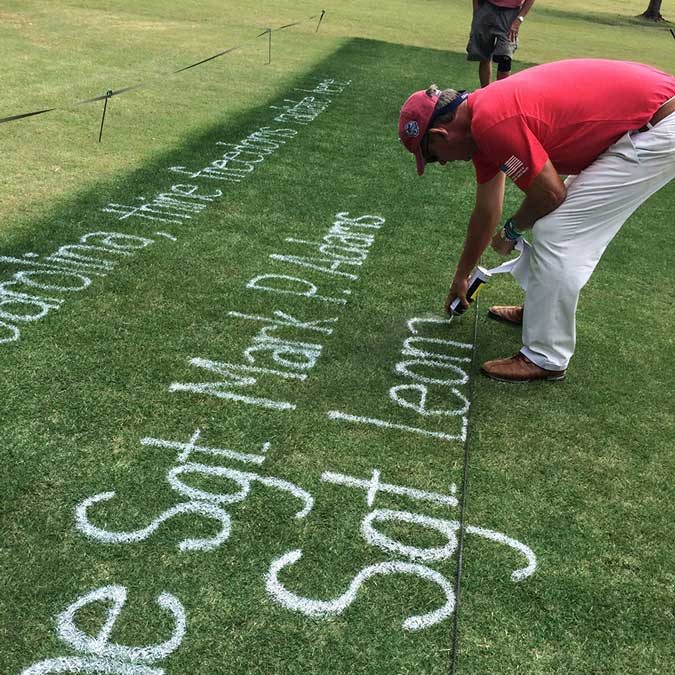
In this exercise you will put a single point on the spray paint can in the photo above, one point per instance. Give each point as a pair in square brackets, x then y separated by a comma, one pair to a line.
[479, 277]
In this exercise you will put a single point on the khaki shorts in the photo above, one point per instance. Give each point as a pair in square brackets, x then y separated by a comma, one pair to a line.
[489, 31]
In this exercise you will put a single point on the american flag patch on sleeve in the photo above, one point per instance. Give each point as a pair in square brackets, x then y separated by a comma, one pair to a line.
[514, 168]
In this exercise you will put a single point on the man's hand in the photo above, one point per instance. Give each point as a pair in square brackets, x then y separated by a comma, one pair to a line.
[459, 287]
[502, 245]
[512, 35]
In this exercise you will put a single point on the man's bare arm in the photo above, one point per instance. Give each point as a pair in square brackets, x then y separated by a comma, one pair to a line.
[546, 193]
[482, 224]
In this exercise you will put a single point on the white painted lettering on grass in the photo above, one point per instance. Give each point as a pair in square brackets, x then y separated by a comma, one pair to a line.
[374, 486]
[287, 285]
[230, 379]
[176, 206]
[191, 446]
[372, 534]
[447, 528]
[203, 503]
[272, 352]
[241, 159]
[276, 351]
[335, 259]
[98, 654]
[342, 250]
[206, 509]
[326, 608]
[432, 366]
[70, 269]
[242, 478]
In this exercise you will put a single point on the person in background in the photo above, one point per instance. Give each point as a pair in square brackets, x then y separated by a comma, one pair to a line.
[608, 125]
[494, 35]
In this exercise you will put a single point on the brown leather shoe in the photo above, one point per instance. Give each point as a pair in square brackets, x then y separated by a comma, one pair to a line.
[508, 314]
[518, 368]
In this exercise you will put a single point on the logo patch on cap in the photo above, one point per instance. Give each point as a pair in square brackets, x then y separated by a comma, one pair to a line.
[412, 128]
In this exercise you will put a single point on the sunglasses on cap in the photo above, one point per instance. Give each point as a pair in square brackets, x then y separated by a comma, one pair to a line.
[462, 95]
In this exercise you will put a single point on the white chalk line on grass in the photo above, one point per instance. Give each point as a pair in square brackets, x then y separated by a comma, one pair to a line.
[89, 664]
[188, 448]
[516, 575]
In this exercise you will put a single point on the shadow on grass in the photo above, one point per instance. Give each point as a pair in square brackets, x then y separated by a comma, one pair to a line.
[70, 215]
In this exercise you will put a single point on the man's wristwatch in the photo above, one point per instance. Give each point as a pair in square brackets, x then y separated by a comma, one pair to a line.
[510, 232]
[520, 18]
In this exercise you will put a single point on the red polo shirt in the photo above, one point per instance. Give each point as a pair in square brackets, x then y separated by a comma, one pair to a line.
[568, 111]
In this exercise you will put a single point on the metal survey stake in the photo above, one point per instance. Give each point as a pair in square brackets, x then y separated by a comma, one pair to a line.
[323, 11]
[108, 94]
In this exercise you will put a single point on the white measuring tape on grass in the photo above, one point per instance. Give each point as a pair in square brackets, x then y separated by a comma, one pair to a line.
[518, 267]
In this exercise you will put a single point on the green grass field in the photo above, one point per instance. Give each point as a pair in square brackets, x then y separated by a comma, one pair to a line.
[204, 360]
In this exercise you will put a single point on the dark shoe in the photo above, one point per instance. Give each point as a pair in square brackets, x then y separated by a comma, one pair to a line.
[509, 314]
[518, 368]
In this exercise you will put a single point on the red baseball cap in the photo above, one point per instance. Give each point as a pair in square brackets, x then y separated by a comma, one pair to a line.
[416, 116]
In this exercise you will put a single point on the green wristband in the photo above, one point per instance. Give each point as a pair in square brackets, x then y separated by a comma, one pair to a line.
[510, 231]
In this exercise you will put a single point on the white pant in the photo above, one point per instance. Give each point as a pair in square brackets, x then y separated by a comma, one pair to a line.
[569, 242]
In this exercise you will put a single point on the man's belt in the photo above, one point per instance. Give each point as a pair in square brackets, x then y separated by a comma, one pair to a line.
[666, 109]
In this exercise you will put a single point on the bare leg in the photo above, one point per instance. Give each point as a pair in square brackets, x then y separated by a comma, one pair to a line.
[485, 72]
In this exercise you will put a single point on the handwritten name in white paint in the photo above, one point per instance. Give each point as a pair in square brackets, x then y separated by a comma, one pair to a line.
[290, 357]
[343, 249]
[203, 503]
[273, 353]
[412, 566]
[97, 653]
[434, 368]
[33, 292]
